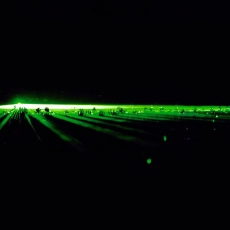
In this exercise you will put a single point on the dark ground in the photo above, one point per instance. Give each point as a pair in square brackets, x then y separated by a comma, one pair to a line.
[184, 173]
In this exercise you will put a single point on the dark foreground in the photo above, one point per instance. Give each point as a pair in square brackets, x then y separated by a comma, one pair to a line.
[107, 157]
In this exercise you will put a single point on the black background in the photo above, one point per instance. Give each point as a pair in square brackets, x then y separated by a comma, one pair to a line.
[115, 52]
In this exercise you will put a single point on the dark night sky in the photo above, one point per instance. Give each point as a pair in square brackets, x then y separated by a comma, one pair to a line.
[115, 52]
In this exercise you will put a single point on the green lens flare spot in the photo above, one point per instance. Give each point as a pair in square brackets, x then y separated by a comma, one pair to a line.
[165, 138]
[149, 161]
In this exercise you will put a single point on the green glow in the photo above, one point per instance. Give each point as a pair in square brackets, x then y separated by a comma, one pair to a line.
[5, 121]
[96, 127]
[31, 125]
[149, 161]
[64, 136]
[59, 106]
[117, 126]
[138, 108]
[123, 126]
[142, 112]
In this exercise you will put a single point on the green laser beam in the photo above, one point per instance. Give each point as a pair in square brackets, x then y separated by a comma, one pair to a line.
[64, 136]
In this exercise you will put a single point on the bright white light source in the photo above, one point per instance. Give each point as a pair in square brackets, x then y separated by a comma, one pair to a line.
[57, 106]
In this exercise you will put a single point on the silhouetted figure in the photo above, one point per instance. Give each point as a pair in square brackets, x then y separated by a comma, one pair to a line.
[38, 110]
[112, 112]
[212, 111]
[101, 113]
[47, 109]
[81, 112]
[120, 110]
[25, 110]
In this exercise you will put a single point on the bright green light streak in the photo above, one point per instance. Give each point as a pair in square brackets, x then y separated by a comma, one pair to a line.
[142, 116]
[58, 132]
[96, 128]
[6, 119]
[59, 106]
[121, 127]
[110, 118]
[128, 107]
[31, 125]
[107, 131]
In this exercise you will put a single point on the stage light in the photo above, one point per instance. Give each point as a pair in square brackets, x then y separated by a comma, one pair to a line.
[149, 161]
